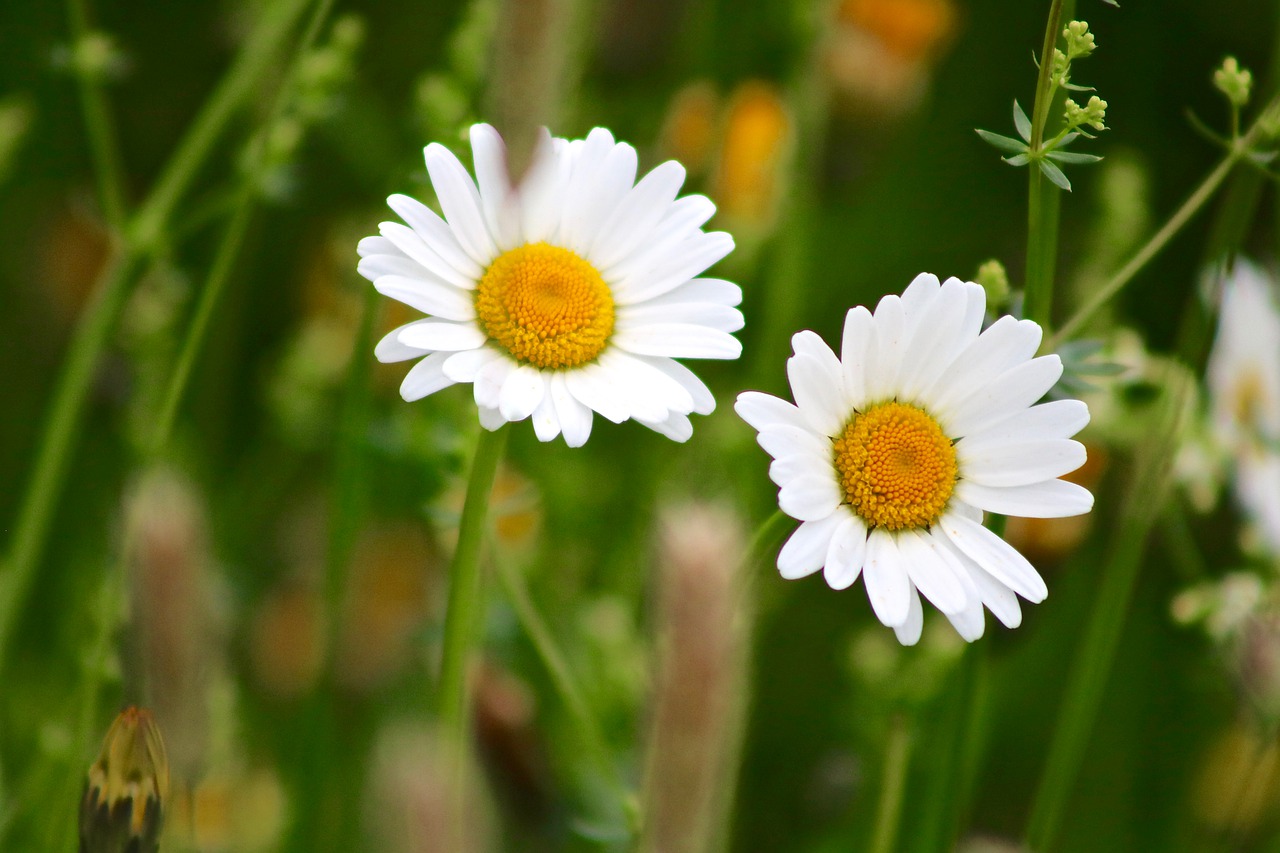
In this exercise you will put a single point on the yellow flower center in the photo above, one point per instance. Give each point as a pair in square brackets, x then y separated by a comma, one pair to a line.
[546, 306]
[897, 468]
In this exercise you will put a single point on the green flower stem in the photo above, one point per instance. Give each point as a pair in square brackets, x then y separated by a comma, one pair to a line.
[1152, 247]
[466, 588]
[1092, 666]
[1042, 197]
[35, 513]
[1239, 149]
[100, 129]
[893, 785]
[548, 651]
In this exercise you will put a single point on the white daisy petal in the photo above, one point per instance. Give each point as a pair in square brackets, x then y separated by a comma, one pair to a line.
[1020, 464]
[1006, 343]
[487, 386]
[637, 215]
[614, 178]
[812, 387]
[999, 599]
[719, 317]
[442, 335]
[1047, 499]
[908, 633]
[408, 242]
[934, 340]
[373, 266]
[857, 346]
[995, 556]
[886, 363]
[370, 246]
[782, 440]
[804, 551]
[809, 497]
[521, 393]
[390, 349]
[466, 365]
[784, 469]
[491, 419]
[501, 213]
[575, 418]
[888, 585]
[546, 423]
[429, 297]
[969, 622]
[919, 294]
[595, 392]
[930, 573]
[703, 401]
[716, 291]
[675, 426]
[542, 188]
[764, 410]
[436, 233]
[846, 552]
[460, 201]
[679, 225]
[1016, 388]
[1055, 419]
[645, 381]
[425, 378]
[680, 265]
[678, 340]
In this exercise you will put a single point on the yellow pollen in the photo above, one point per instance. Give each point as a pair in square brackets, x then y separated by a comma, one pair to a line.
[897, 468]
[546, 306]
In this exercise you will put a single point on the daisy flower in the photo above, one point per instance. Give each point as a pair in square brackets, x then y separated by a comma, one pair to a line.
[570, 294]
[892, 452]
[1243, 375]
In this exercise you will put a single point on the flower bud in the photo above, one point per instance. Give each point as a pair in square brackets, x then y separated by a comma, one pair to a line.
[1079, 39]
[995, 281]
[123, 804]
[1092, 114]
[1233, 81]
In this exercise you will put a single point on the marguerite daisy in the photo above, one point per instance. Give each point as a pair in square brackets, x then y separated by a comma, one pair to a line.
[892, 452]
[1243, 375]
[569, 294]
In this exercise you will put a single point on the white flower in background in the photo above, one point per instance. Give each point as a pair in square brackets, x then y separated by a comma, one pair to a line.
[892, 452]
[1244, 392]
[569, 294]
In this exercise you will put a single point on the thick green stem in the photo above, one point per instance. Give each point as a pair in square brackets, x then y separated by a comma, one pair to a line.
[1042, 197]
[466, 589]
[893, 786]
[1093, 662]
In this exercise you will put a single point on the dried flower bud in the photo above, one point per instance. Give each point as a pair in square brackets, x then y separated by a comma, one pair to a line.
[124, 797]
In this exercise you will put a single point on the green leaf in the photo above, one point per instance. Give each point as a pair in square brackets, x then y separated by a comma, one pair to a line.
[1054, 174]
[1067, 140]
[1112, 3]
[1004, 143]
[1017, 159]
[1073, 157]
[1076, 88]
[1020, 121]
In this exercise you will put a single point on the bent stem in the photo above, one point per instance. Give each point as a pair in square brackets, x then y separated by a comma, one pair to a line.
[1093, 662]
[466, 589]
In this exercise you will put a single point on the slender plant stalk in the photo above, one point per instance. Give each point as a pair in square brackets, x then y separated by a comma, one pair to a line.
[107, 168]
[1239, 149]
[1117, 282]
[893, 785]
[466, 588]
[1096, 654]
[36, 508]
[1042, 197]
[562, 677]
